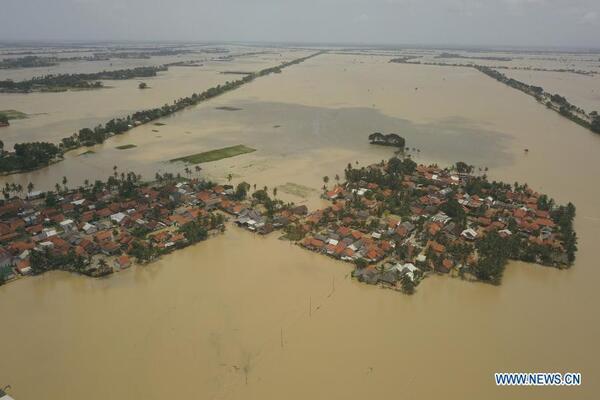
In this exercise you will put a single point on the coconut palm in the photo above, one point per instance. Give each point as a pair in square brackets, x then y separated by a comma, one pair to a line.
[102, 263]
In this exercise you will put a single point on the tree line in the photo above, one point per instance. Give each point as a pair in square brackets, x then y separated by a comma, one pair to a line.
[76, 81]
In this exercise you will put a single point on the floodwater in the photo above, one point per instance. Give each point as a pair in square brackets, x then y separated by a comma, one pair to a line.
[248, 317]
[53, 116]
[581, 90]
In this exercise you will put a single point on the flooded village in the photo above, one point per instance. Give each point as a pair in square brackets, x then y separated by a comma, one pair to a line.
[396, 221]
[228, 278]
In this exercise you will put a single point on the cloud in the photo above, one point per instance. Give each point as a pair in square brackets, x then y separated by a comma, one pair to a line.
[464, 7]
[362, 18]
[590, 17]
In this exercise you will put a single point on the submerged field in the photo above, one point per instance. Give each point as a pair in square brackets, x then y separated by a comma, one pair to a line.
[13, 114]
[215, 155]
[248, 317]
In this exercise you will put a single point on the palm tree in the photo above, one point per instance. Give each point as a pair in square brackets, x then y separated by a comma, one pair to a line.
[19, 188]
[274, 192]
[325, 180]
[229, 177]
[337, 177]
[197, 168]
[57, 187]
[30, 187]
[86, 183]
[64, 181]
[102, 263]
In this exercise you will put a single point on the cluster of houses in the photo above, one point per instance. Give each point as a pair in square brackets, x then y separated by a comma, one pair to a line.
[100, 228]
[395, 227]
[361, 227]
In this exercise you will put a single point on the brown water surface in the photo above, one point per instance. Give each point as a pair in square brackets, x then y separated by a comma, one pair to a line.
[248, 317]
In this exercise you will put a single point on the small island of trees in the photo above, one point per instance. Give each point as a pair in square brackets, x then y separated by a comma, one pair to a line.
[391, 139]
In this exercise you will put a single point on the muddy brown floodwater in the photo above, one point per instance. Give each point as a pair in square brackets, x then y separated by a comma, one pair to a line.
[248, 317]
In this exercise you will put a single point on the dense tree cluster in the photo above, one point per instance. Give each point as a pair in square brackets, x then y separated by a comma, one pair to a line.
[28, 156]
[28, 62]
[76, 81]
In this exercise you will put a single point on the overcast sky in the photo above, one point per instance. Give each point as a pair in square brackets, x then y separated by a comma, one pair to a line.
[435, 22]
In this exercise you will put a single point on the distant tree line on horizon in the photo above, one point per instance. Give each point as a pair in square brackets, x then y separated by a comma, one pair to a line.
[555, 102]
[76, 81]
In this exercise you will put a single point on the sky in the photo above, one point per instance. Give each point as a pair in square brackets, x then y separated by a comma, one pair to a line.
[549, 23]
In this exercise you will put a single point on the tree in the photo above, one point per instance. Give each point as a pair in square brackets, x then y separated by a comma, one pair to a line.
[407, 284]
[326, 179]
[194, 232]
[454, 210]
[463, 167]
[376, 137]
[143, 85]
[30, 187]
[229, 177]
[241, 191]
[493, 254]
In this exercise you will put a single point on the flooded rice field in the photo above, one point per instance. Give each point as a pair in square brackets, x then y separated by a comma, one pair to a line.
[248, 317]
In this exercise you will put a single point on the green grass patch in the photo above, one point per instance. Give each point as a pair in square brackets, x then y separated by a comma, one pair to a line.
[159, 124]
[88, 152]
[215, 155]
[125, 146]
[13, 114]
[228, 108]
